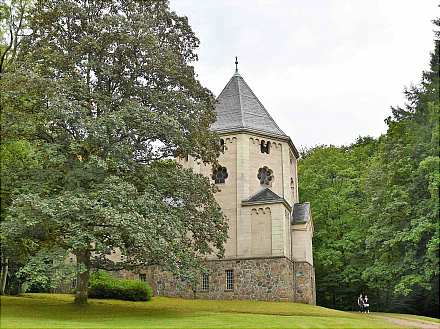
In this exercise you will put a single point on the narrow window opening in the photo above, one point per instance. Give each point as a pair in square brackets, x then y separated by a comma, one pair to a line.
[265, 147]
[205, 282]
[292, 186]
[229, 279]
[143, 277]
[222, 145]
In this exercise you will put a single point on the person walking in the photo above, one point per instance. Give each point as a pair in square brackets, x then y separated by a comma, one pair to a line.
[366, 304]
[360, 302]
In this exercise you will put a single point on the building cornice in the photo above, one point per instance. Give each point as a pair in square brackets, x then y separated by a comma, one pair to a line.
[259, 203]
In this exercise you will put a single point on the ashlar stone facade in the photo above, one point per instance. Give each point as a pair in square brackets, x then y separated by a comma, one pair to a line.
[269, 252]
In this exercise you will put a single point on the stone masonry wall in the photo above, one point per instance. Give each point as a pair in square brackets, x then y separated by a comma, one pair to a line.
[254, 279]
[304, 283]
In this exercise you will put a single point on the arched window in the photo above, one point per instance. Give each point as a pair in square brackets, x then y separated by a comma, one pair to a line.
[219, 175]
[265, 146]
[265, 176]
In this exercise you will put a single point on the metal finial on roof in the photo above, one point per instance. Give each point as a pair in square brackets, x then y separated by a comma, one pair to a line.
[236, 64]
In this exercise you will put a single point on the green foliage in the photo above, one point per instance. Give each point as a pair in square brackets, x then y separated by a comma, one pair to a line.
[104, 92]
[376, 209]
[103, 285]
[14, 16]
[331, 178]
[46, 271]
[404, 186]
[17, 159]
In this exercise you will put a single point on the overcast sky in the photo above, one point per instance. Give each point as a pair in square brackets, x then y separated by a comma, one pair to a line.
[326, 70]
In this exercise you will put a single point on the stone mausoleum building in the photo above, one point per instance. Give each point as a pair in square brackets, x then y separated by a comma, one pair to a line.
[268, 255]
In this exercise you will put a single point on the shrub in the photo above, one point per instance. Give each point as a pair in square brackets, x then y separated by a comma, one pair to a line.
[103, 285]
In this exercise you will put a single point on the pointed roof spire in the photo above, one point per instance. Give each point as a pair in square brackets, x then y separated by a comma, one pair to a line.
[238, 109]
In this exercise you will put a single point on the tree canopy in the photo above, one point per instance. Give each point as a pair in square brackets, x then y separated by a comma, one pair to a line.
[376, 208]
[105, 93]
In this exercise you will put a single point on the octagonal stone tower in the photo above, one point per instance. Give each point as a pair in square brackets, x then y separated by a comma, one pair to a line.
[268, 254]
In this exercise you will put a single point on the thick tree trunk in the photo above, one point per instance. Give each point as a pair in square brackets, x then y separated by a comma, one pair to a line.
[83, 276]
[5, 268]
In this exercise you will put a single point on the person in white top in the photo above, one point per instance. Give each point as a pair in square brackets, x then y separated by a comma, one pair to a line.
[360, 302]
[366, 304]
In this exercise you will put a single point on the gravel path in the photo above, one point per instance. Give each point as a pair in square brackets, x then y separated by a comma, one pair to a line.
[419, 324]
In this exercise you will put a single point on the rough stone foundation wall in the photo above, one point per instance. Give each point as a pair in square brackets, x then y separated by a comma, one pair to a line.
[270, 279]
[304, 283]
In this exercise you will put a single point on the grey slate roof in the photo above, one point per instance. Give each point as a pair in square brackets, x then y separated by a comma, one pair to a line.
[265, 195]
[239, 109]
[300, 213]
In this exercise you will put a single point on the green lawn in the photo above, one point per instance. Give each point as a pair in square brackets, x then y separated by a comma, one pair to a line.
[57, 311]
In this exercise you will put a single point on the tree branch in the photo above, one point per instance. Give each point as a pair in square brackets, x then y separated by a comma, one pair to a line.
[2, 59]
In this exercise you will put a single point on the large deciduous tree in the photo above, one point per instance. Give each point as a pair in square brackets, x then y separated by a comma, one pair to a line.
[331, 178]
[108, 94]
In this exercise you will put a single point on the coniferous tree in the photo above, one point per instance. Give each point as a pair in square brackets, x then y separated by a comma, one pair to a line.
[403, 189]
[376, 208]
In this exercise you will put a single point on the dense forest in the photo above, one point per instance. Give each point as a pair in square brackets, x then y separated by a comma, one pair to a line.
[375, 207]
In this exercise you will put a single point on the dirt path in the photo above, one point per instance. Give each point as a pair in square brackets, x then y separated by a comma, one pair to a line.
[419, 324]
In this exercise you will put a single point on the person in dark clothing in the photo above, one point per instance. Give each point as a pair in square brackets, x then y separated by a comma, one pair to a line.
[360, 302]
[366, 304]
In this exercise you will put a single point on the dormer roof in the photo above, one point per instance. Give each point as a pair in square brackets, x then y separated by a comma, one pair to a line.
[265, 196]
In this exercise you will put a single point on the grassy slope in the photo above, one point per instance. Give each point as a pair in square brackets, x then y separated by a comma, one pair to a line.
[56, 311]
